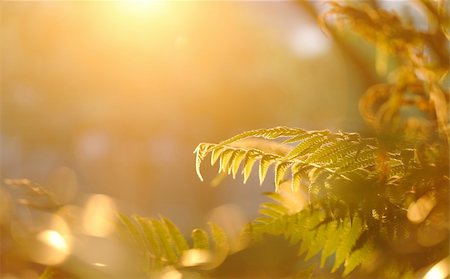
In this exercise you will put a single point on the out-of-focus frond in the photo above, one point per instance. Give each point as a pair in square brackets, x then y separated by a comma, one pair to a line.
[160, 243]
[315, 232]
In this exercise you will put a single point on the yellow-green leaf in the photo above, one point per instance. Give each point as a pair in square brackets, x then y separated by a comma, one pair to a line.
[249, 161]
[215, 154]
[200, 239]
[264, 165]
[280, 172]
[358, 257]
[237, 161]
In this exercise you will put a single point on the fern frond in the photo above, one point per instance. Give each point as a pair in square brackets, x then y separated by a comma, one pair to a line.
[307, 231]
[308, 146]
[132, 228]
[238, 158]
[273, 209]
[280, 172]
[178, 240]
[331, 243]
[321, 161]
[264, 164]
[250, 158]
[351, 230]
[219, 237]
[221, 245]
[372, 24]
[334, 153]
[275, 219]
[153, 245]
[341, 173]
[170, 251]
[215, 154]
[358, 257]
[315, 233]
[200, 239]
[160, 242]
[201, 151]
[204, 148]
[265, 133]
[224, 159]
[318, 241]
[325, 153]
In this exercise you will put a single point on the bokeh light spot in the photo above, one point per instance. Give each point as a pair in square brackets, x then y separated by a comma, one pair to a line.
[52, 248]
[99, 215]
[419, 210]
[194, 257]
[54, 239]
[439, 270]
[171, 273]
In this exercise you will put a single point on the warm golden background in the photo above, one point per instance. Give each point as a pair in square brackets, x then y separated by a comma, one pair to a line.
[112, 97]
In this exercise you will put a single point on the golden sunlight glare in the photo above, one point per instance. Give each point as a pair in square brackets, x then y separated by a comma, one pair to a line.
[194, 257]
[139, 7]
[53, 239]
[99, 215]
[439, 270]
[419, 210]
[53, 248]
[171, 273]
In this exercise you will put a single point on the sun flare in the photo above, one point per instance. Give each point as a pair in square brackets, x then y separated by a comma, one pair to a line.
[140, 7]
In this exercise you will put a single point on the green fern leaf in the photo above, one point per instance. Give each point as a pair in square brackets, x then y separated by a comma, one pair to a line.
[396, 269]
[350, 233]
[274, 196]
[221, 244]
[331, 243]
[264, 165]
[280, 172]
[302, 136]
[359, 164]
[278, 208]
[215, 154]
[219, 237]
[270, 213]
[295, 228]
[264, 133]
[318, 241]
[132, 229]
[307, 233]
[275, 220]
[297, 173]
[200, 239]
[166, 241]
[177, 238]
[239, 156]
[201, 151]
[329, 151]
[230, 164]
[263, 220]
[304, 146]
[358, 257]
[150, 235]
[250, 158]
[227, 156]
[396, 168]
[362, 159]
[296, 181]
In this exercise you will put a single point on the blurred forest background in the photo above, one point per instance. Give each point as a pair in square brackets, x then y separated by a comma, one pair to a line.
[112, 97]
